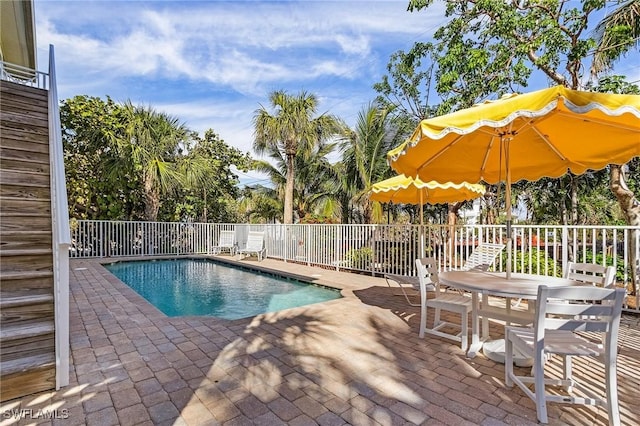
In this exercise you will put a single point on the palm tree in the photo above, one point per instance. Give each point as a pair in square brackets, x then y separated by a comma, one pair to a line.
[149, 145]
[364, 160]
[316, 182]
[616, 34]
[292, 130]
[260, 204]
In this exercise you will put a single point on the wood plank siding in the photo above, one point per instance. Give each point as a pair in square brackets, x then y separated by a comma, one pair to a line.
[27, 347]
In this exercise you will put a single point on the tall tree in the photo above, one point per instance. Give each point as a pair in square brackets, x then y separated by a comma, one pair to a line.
[492, 46]
[149, 144]
[316, 180]
[363, 157]
[106, 172]
[292, 129]
[207, 175]
[88, 126]
[617, 33]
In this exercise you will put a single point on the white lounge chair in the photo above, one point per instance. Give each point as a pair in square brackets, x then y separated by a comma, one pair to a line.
[407, 283]
[559, 314]
[227, 241]
[483, 257]
[255, 245]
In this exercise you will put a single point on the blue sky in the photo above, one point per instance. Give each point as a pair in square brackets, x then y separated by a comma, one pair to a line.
[213, 63]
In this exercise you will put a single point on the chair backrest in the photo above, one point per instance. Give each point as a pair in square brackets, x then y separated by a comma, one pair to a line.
[255, 241]
[227, 238]
[483, 257]
[563, 308]
[598, 275]
[427, 268]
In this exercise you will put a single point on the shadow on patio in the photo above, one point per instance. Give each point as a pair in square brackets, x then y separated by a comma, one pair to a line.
[356, 360]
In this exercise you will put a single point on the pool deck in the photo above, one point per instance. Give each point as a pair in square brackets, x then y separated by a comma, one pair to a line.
[356, 360]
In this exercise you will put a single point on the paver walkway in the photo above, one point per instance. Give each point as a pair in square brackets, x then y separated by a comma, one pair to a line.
[356, 360]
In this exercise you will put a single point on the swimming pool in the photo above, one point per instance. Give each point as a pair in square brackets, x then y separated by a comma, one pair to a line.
[201, 287]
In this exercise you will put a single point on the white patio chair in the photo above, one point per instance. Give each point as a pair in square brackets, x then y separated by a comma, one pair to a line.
[453, 302]
[255, 245]
[227, 241]
[560, 313]
[598, 275]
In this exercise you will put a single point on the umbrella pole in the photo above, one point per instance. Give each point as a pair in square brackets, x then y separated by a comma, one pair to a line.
[508, 202]
[421, 226]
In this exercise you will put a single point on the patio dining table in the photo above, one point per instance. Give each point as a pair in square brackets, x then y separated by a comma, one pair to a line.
[518, 286]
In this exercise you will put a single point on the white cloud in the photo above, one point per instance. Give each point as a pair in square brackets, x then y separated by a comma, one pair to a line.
[264, 40]
[212, 63]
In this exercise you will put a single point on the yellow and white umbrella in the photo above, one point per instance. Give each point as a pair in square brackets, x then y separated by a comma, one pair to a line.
[545, 133]
[407, 190]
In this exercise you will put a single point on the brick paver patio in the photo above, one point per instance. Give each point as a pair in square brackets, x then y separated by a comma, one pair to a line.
[357, 360]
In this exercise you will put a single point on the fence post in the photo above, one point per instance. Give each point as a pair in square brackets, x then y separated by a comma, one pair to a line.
[308, 242]
[565, 246]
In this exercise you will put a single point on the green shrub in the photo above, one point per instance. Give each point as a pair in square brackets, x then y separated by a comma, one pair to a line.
[316, 218]
[359, 258]
[600, 260]
[534, 261]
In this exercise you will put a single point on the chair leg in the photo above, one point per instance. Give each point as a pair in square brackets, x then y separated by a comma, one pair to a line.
[436, 318]
[423, 314]
[464, 329]
[508, 360]
[613, 408]
[567, 371]
[485, 320]
[540, 393]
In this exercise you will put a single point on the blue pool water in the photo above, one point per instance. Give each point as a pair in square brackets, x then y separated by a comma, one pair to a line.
[201, 287]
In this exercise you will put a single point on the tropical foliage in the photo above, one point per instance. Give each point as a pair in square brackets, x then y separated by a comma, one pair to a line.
[315, 181]
[131, 162]
[364, 160]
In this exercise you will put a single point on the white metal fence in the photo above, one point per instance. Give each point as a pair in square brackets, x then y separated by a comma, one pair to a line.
[374, 249]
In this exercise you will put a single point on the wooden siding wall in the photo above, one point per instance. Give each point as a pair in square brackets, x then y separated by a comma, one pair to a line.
[27, 347]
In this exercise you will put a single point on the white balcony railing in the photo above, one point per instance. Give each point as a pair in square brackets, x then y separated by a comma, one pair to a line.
[24, 76]
[372, 249]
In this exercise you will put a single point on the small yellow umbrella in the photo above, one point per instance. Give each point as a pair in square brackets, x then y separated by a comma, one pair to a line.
[404, 189]
[543, 133]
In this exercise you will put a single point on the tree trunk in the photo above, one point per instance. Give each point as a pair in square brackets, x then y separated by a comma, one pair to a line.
[204, 210]
[631, 210]
[574, 200]
[151, 201]
[491, 216]
[452, 220]
[563, 212]
[367, 212]
[288, 193]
